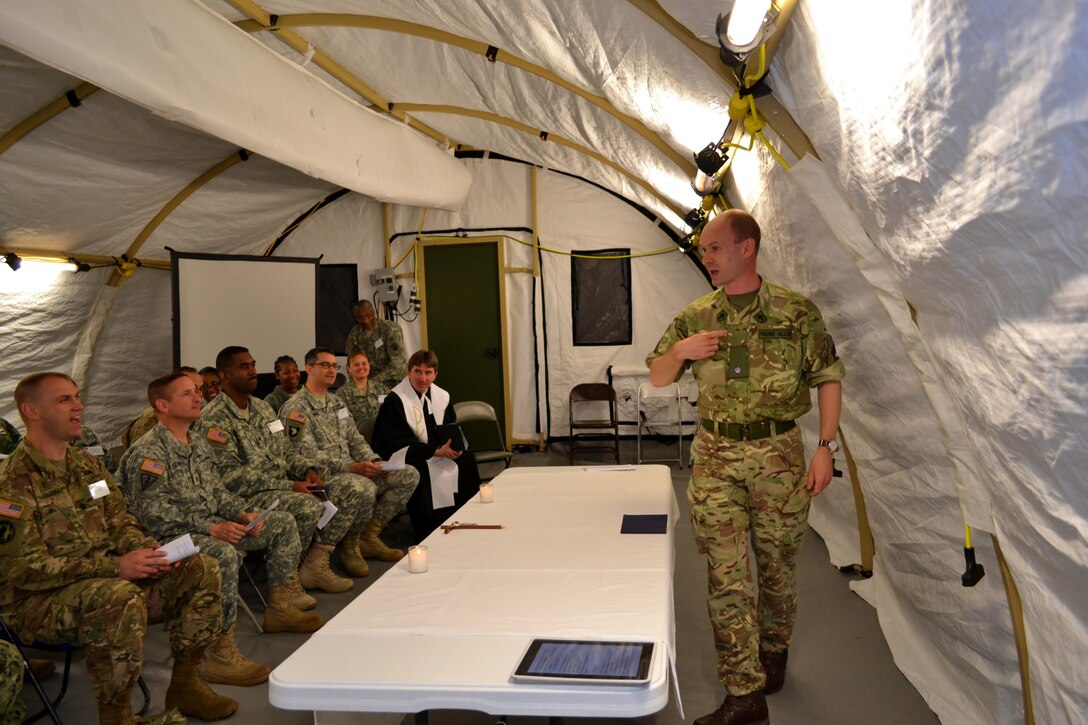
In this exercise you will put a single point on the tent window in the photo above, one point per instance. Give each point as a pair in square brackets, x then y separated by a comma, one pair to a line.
[601, 297]
[337, 289]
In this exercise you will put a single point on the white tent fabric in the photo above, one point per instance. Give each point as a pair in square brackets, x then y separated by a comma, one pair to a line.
[941, 231]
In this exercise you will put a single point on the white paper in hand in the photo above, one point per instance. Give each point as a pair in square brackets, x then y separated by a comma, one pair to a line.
[396, 461]
[264, 514]
[180, 548]
[326, 516]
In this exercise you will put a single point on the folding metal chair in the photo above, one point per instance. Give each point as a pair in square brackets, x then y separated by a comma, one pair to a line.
[671, 392]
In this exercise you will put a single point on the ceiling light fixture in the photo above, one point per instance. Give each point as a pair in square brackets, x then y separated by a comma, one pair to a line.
[13, 260]
[743, 27]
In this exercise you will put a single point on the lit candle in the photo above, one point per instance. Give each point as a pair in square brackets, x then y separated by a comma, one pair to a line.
[487, 493]
[417, 559]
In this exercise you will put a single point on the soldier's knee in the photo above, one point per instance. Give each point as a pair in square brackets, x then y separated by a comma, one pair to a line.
[116, 612]
[203, 570]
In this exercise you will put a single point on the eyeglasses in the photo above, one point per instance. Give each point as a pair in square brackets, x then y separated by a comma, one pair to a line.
[328, 365]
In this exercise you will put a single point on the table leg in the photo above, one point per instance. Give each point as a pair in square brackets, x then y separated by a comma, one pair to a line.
[422, 717]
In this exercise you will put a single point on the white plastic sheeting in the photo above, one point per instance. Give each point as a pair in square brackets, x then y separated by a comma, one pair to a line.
[186, 63]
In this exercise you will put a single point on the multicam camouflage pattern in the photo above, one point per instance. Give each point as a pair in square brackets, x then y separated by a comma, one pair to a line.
[144, 422]
[277, 398]
[11, 684]
[9, 437]
[384, 347]
[60, 555]
[363, 404]
[777, 348]
[256, 462]
[325, 433]
[740, 489]
[52, 533]
[174, 489]
[90, 442]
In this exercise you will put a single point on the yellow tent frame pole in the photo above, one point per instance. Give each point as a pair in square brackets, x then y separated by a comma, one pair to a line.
[117, 278]
[43, 114]
[1016, 611]
[544, 136]
[491, 53]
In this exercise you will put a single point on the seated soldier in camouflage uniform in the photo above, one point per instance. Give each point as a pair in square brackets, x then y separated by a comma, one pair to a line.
[146, 420]
[75, 568]
[362, 395]
[381, 340]
[319, 424]
[256, 462]
[9, 438]
[286, 370]
[90, 442]
[172, 487]
[11, 684]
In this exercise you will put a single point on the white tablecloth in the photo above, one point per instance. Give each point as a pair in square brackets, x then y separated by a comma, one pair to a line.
[451, 637]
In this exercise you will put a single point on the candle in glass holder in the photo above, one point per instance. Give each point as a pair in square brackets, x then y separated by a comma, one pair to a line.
[417, 559]
[487, 493]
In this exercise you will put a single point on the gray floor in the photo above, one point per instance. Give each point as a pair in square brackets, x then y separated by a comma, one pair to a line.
[840, 668]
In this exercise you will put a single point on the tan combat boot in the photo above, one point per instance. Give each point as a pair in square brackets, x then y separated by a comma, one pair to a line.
[225, 665]
[190, 694]
[316, 574]
[281, 616]
[354, 564]
[371, 546]
[299, 598]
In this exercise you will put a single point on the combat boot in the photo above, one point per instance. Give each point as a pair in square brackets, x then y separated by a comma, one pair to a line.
[372, 547]
[122, 715]
[750, 709]
[225, 665]
[774, 666]
[299, 598]
[281, 616]
[354, 564]
[190, 694]
[316, 574]
[41, 668]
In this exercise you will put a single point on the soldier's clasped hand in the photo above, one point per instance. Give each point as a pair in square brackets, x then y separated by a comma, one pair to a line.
[699, 346]
[143, 564]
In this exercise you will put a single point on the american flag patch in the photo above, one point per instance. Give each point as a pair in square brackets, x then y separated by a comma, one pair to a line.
[153, 467]
[10, 509]
[217, 436]
[296, 416]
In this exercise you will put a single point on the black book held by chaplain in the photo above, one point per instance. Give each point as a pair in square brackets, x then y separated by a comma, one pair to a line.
[451, 433]
[644, 524]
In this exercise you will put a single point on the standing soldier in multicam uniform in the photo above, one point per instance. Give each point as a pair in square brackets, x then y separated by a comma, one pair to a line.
[755, 349]
[382, 342]
[362, 395]
[172, 487]
[320, 425]
[256, 462]
[75, 568]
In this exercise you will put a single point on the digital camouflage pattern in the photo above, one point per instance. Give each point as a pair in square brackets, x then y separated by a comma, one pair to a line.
[9, 437]
[90, 442]
[11, 684]
[277, 398]
[174, 489]
[324, 432]
[384, 347]
[363, 404]
[256, 462]
[144, 422]
[777, 347]
[60, 556]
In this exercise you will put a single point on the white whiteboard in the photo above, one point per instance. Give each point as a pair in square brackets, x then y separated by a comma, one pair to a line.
[266, 304]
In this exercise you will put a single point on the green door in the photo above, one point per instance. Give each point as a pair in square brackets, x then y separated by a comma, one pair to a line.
[462, 305]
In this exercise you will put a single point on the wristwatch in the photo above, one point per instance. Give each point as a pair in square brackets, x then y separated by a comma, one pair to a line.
[831, 445]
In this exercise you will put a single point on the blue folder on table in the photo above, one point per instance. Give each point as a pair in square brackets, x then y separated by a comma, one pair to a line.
[644, 524]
